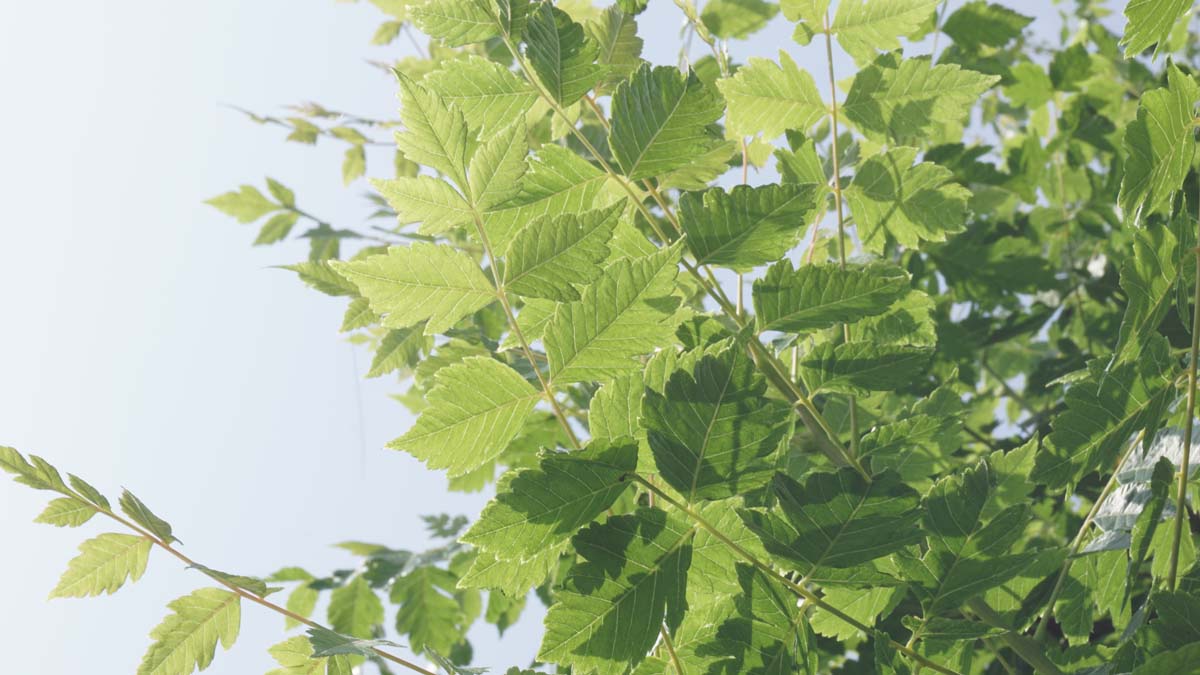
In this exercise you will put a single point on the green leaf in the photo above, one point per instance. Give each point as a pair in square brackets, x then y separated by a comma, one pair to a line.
[737, 18]
[426, 200]
[819, 296]
[187, 639]
[488, 95]
[86, 490]
[281, 192]
[456, 22]
[712, 431]
[864, 26]
[327, 643]
[980, 23]
[320, 275]
[1159, 145]
[1149, 22]
[660, 121]
[620, 49]
[1181, 661]
[102, 566]
[475, 408]
[615, 411]
[410, 284]
[66, 512]
[966, 556]
[246, 204]
[768, 635]
[435, 134]
[142, 515]
[354, 609]
[542, 506]
[1149, 278]
[1102, 412]
[302, 600]
[911, 203]
[902, 100]
[553, 253]
[856, 367]
[865, 605]
[561, 55]
[497, 167]
[809, 16]
[513, 577]
[557, 181]
[295, 656]
[631, 579]
[748, 226]
[768, 98]
[837, 520]
[429, 615]
[354, 164]
[39, 474]
[277, 228]
[623, 314]
[397, 350]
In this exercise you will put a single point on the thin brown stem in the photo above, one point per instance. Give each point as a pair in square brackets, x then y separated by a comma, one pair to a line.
[511, 318]
[666, 638]
[1181, 490]
[1077, 542]
[841, 217]
[233, 587]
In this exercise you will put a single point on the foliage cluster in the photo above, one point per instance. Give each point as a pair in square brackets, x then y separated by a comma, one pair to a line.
[922, 403]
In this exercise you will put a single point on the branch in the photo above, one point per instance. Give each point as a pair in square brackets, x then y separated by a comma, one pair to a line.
[1181, 491]
[223, 582]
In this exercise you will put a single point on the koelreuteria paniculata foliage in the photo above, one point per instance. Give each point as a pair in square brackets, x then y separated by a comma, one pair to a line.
[774, 370]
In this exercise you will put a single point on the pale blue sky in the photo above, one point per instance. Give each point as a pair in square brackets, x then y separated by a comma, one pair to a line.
[146, 344]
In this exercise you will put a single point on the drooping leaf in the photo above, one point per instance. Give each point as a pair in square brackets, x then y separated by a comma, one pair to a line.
[476, 407]
[890, 196]
[632, 578]
[621, 315]
[1159, 145]
[553, 253]
[295, 656]
[660, 120]
[712, 432]
[748, 226]
[187, 639]
[768, 98]
[141, 514]
[326, 643]
[540, 507]
[420, 282]
[102, 566]
[819, 296]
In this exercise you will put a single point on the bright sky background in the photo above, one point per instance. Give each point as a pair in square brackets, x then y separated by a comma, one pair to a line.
[146, 344]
